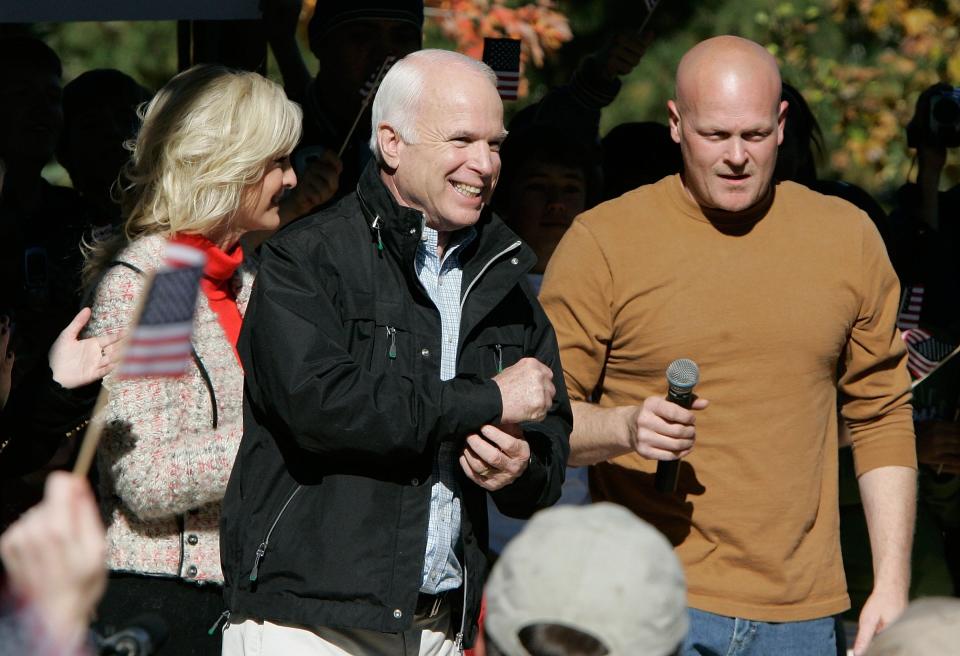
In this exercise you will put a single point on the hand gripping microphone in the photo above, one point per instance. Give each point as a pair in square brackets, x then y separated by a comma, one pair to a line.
[682, 375]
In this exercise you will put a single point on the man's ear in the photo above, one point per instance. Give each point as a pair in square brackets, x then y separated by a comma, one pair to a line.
[674, 120]
[782, 120]
[390, 145]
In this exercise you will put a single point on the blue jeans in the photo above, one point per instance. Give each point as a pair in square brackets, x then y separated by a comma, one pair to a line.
[717, 635]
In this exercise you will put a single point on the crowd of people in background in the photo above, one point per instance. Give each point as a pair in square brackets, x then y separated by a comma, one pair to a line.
[377, 402]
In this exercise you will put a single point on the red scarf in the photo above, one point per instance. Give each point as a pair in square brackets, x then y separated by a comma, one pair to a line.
[217, 283]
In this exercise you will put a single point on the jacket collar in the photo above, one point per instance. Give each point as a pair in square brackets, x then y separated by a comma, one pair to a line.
[399, 228]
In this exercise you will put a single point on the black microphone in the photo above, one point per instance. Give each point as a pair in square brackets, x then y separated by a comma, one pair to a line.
[682, 375]
[143, 636]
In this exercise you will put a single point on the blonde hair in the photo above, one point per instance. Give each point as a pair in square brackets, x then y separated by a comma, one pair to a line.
[206, 136]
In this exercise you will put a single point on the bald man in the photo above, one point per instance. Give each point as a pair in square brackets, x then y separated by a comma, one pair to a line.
[786, 300]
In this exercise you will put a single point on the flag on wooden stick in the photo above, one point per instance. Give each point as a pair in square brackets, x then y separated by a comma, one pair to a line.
[925, 352]
[503, 56]
[160, 342]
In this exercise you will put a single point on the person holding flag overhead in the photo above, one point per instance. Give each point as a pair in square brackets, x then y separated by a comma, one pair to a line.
[208, 166]
[353, 40]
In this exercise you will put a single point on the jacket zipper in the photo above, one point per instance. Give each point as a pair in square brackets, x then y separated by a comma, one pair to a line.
[498, 348]
[486, 266]
[376, 226]
[262, 549]
[458, 639]
[392, 334]
[225, 615]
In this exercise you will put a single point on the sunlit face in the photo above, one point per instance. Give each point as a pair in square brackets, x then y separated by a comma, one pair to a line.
[728, 133]
[543, 201]
[451, 169]
[260, 207]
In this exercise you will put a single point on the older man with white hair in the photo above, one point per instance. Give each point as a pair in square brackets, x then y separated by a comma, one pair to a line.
[398, 369]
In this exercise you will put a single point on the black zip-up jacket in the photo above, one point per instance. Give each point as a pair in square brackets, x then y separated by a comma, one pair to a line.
[325, 515]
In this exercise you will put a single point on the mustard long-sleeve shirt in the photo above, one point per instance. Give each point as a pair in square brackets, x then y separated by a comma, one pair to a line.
[788, 310]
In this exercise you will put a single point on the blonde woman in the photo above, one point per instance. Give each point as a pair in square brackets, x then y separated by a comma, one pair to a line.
[209, 165]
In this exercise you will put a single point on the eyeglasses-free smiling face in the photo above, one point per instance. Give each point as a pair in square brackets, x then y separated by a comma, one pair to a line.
[451, 168]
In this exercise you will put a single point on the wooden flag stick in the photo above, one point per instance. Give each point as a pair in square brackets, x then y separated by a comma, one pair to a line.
[91, 437]
[366, 102]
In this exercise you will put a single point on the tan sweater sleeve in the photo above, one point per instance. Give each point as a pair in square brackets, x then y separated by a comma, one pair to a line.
[874, 382]
[577, 296]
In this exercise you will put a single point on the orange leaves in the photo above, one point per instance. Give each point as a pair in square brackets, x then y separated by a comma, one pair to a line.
[539, 26]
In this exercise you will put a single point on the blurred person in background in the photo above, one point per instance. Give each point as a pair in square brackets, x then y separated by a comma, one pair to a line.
[53, 403]
[53, 557]
[589, 581]
[637, 154]
[350, 39]
[40, 224]
[99, 117]
[928, 627]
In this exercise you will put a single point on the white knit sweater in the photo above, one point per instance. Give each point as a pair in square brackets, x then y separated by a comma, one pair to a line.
[163, 467]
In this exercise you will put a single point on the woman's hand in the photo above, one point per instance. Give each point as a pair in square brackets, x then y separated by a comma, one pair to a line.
[78, 362]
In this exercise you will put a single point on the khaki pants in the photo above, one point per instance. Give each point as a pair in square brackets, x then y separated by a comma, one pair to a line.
[430, 636]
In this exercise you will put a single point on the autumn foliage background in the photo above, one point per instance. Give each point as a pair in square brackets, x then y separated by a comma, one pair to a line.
[860, 63]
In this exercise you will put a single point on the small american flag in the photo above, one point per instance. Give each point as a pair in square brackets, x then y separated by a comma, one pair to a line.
[910, 306]
[160, 343]
[503, 56]
[924, 351]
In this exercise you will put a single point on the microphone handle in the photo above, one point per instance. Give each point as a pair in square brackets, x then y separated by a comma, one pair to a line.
[668, 471]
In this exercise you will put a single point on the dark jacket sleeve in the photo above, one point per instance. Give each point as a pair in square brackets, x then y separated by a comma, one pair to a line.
[539, 486]
[303, 383]
[38, 418]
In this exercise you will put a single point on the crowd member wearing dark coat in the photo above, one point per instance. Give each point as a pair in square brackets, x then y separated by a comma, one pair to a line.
[347, 409]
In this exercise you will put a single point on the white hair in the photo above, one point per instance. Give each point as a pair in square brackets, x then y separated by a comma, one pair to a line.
[398, 98]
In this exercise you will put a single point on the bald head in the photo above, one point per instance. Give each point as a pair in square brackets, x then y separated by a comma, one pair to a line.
[727, 63]
[728, 120]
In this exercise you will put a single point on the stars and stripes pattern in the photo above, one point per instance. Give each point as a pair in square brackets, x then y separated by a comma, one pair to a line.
[160, 342]
[503, 56]
[910, 306]
[924, 351]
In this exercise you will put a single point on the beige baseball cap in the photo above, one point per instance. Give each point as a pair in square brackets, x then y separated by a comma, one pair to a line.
[598, 569]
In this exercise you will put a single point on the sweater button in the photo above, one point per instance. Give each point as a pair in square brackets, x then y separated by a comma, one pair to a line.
[425, 352]
[192, 539]
[414, 481]
[514, 260]
[397, 614]
[192, 571]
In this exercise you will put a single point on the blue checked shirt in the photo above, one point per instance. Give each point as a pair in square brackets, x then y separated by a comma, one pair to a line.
[441, 279]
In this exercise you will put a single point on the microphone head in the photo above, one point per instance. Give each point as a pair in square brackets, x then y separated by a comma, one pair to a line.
[683, 373]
